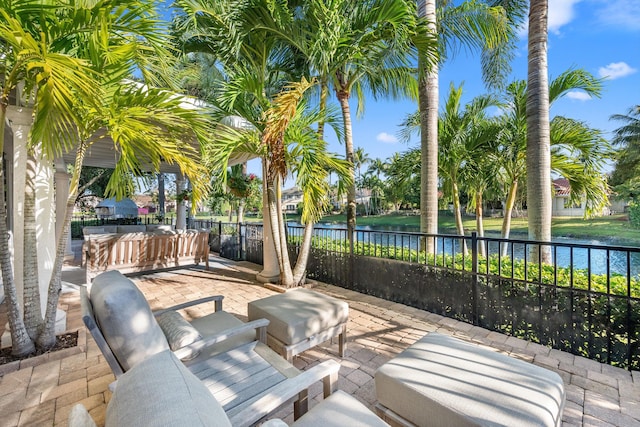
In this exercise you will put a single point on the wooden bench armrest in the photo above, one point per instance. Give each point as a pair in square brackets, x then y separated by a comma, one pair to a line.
[264, 403]
[259, 325]
[217, 298]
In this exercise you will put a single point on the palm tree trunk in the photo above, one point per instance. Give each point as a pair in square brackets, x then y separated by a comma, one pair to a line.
[241, 205]
[458, 215]
[324, 95]
[538, 133]
[300, 270]
[480, 222]
[242, 202]
[279, 234]
[343, 98]
[428, 102]
[20, 341]
[508, 210]
[31, 283]
[47, 338]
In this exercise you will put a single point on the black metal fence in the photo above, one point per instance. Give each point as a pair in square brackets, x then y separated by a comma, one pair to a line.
[78, 222]
[584, 299]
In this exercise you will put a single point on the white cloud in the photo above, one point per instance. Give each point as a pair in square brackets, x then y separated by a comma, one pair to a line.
[620, 13]
[386, 137]
[578, 95]
[561, 12]
[615, 70]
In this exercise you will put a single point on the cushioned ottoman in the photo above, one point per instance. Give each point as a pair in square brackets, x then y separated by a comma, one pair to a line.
[443, 381]
[301, 319]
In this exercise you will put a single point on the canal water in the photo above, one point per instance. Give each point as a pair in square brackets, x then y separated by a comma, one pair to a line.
[597, 259]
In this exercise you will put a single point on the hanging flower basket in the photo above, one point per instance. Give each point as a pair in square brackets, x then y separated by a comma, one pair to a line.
[241, 186]
[183, 196]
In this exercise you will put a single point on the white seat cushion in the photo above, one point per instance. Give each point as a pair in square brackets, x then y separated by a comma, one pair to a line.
[443, 381]
[297, 315]
[340, 410]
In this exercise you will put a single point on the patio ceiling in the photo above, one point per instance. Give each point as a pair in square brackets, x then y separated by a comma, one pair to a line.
[103, 155]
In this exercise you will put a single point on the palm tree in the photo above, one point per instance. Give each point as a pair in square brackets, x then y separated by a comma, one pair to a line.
[290, 146]
[358, 47]
[377, 167]
[249, 39]
[627, 136]
[512, 141]
[488, 27]
[538, 133]
[462, 139]
[75, 74]
[30, 57]
[361, 158]
[403, 175]
[459, 141]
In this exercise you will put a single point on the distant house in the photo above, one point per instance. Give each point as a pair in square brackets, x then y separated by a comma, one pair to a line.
[291, 197]
[562, 207]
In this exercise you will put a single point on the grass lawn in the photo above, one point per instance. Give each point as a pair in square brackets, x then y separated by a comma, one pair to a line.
[611, 228]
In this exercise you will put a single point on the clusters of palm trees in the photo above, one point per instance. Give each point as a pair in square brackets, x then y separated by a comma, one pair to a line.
[484, 155]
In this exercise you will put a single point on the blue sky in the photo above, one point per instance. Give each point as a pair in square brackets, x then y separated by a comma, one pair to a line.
[600, 36]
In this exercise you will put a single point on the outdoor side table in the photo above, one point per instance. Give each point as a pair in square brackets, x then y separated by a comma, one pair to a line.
[301, 319]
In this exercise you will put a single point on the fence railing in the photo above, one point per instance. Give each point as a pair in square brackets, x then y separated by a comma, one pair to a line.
[78, 222]
[580, 298]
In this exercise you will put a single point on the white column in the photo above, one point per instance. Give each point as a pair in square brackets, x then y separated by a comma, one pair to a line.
[20, 120]
[181, 208]
[271, 270]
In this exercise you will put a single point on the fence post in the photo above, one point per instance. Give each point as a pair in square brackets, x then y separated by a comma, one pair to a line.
[240, 241]
[474, 277]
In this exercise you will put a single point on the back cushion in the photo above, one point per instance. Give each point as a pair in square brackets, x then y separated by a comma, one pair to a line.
[131, 229]
[162, 392]
[159, 227]
[125, 319]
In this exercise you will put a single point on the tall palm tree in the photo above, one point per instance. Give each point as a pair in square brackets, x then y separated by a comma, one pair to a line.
[538, 133]
[371, 49]
[30, 57]
[485, 26]
[512, 137]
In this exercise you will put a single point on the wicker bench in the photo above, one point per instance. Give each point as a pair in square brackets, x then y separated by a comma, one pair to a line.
[443, 381]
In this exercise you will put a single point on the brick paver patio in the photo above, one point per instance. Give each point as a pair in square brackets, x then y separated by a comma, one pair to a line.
[42, 391]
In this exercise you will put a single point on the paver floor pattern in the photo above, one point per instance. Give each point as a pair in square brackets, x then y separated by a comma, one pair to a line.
[597, 394]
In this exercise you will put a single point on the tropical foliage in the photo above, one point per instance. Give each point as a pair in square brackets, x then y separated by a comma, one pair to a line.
[71, 58]
[626, 174]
